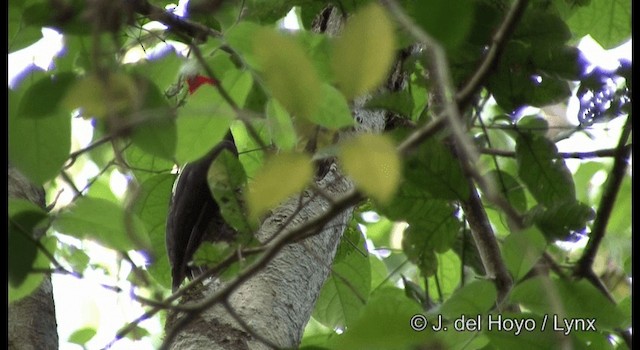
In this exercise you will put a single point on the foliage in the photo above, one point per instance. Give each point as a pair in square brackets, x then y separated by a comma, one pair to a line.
[287, 96]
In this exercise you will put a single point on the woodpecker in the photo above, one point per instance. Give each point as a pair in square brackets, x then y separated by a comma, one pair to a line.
[194, 216]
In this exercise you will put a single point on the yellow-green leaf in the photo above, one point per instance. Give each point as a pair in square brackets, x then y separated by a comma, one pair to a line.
[373, 163]
[99, 98]
[363, 55]
[281, 176]
[288, 72]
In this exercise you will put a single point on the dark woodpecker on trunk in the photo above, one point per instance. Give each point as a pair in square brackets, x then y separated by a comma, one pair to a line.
[194, 216]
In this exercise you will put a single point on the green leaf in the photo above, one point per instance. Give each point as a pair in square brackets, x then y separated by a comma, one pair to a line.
[521, 251]
[435, 229]
[434, 169]
[533, 125]
[33, 280]
[201, 124]
[38, 146]
[400, 102]
[474, 298]
[564, 62]
[384, 324]
[607, 21]
[163, 71]
[543, 172]
[280, 126]
[144, 165]
[103, 221]
[156, 133]
[333, 111]
[373, 163]
[510, 189]
[82, 336]
[238, 85]
[152, 206]
[103, 97]
[578, 299]
[288, 72]
[227, 181]
[561, 219]
[281, 176]
[534, 339]
[346, 290]
[43, 97]
[447, 274]
[24, 219]
[362, 56]
[20, 33]
[540, 28]
[434, 16]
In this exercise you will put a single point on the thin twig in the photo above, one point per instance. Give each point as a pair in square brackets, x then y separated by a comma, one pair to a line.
[601, 153]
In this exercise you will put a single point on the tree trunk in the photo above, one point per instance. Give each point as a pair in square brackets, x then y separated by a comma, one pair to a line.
[32, 320]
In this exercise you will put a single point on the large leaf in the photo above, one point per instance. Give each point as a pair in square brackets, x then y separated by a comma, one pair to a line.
[435, 230]
[333, 112]
[38, 146]
[25, 218]
[280, 126]
[384, 324]
[201, 124]
[526, 331]
[446, 280]
[543, 172]
[288, 72]
[103, 221]
[434, 16]
[473, 299]
[152, 206]
[561, 219]
[156, 131]
[567, 299]
[346, 290]
[607, 21]
[227, 181]
[521, 250]
[434, 169]
[281, 176]
[373, 163]
[44, 96]
[20, 32]
[145, 165]
[510, 189]
[363, 54]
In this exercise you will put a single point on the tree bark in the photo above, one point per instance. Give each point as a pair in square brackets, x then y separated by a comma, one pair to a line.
[32, 320]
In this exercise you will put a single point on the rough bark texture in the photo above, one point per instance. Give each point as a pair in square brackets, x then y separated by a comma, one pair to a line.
[32, 320]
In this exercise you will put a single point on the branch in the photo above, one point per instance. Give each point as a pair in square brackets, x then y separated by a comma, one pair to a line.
[601, 153]
[486, 242]
[607, 202]
[175, 23]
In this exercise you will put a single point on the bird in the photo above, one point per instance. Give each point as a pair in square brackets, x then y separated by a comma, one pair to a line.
[194, 215]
